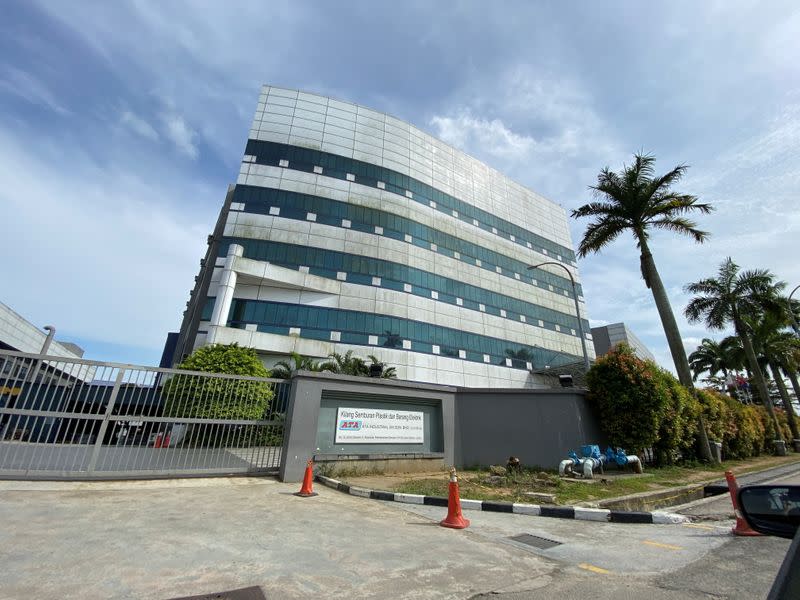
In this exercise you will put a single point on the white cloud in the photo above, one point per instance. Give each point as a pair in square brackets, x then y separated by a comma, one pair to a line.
[180, 134]
[23, 85]
[139, 125]
[97, 249]
[538, 127]
[467, 131]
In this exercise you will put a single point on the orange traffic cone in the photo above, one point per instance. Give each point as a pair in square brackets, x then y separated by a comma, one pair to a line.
[308, 478]
[741, 527]
[454, 518]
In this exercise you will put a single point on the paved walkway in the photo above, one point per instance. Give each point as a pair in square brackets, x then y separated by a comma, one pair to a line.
[75, 458]
[163, 539]
[154, 540]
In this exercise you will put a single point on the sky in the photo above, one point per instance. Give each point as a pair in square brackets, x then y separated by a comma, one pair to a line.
[122, 124]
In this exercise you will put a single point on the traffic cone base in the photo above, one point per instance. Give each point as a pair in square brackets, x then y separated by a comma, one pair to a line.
[454, 519]
[741, 527]
[307, 490]
[458, 522]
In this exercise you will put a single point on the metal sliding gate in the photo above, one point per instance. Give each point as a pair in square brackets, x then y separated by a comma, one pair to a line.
[81, 419]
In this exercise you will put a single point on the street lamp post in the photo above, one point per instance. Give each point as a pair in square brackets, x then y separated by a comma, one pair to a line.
[577, 308]
[51, 332]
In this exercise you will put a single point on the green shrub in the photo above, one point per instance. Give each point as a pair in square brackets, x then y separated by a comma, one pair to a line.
[750, 431]
[195, 396]
[677, 435]
[740, 428]
[629, 398]
[718, 415]
[783, 421]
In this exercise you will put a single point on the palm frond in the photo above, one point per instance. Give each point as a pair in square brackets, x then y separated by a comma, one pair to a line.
[599, 234]
[593, 209]
[657, 185]
[682, 226]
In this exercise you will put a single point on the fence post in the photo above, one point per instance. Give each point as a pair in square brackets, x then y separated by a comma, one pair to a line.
[104, 425]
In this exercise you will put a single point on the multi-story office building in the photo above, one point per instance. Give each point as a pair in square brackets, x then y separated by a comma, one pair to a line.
[349, 229]
[608, 336]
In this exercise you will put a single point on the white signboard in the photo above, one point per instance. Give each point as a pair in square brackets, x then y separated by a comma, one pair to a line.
[378, 426]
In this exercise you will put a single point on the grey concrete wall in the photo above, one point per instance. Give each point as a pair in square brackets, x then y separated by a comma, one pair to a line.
[538, 426]
[302, 439]
[473, 426]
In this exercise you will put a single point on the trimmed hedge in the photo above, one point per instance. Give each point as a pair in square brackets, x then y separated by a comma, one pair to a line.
[214, 398]
[744, 430]
[625, 391]
[642, 406]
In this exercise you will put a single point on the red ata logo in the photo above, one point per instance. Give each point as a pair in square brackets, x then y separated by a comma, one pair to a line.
[349, 425]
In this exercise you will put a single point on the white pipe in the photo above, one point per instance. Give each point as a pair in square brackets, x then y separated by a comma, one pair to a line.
[565, 466]
[636, 462]
[589, 464]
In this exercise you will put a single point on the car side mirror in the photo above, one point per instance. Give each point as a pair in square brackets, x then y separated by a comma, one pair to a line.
[771, 509]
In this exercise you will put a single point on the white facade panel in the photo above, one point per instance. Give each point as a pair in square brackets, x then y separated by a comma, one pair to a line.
[342, 243]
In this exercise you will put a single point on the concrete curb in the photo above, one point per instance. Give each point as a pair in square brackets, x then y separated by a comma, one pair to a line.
[560, 512]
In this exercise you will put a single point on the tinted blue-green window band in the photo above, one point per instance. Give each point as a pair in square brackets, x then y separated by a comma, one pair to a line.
[295, 206]
[361, 270]
[317, 322]
[338, 167]
[208, 309]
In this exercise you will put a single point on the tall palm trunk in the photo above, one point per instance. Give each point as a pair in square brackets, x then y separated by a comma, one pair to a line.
[796, 387]
[674, 340]
[755, 370]
[787, 402]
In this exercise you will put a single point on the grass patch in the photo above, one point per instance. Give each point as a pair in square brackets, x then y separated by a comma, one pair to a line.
[478, 484]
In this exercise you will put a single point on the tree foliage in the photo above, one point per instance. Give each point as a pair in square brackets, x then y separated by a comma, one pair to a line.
[737, 297]
[350, 364]
[284, 369]
[638, 201]
[625, 391]
[198, 396]
[680, 411]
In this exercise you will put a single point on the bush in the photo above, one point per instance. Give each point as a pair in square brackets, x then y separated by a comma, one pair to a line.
[770, 434]
[195, 396]
[643, 406]
[677, 435]
[738, 427]
[628, 398]
[750, 432]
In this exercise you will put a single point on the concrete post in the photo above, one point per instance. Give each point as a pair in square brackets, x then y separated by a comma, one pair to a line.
[225, 289]
[300, 431]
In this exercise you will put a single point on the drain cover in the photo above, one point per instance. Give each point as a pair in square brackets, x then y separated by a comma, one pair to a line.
[535, 541]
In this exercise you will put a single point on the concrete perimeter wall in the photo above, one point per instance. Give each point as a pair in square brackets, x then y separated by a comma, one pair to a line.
[537, 426]
[463, 426]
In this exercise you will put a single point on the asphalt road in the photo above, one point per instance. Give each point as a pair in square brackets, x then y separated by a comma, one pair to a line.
[720, 507]
[177, 538]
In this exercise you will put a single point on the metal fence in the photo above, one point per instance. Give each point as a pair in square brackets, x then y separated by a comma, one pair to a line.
[75, 418]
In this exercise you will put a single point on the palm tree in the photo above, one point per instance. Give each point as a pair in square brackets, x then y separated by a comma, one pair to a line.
[731, 297]
[788, 346]
[777, 348]
[284, 369]
[709, 357]
[386, 372]
[638, 201]
[346, 364]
